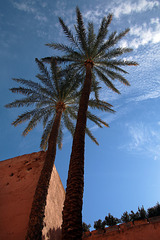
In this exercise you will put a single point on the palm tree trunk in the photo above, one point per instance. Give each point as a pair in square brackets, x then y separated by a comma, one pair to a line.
[72, 211]
[35, 225]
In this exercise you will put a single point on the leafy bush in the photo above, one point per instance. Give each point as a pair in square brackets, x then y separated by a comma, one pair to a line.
[99, 224]
[125, 217]
[86, 227]
[142, 213]
[111, 221]
[154, 211]
[134, 216]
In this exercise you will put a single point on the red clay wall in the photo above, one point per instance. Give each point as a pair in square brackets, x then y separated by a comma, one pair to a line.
[139, 230]
[18, 179]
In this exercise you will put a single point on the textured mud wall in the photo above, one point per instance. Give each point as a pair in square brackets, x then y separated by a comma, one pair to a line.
[139, 230]
[53, 210]
[18, 179]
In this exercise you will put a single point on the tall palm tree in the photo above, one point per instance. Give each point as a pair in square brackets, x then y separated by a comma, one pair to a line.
[96, 56]
[55, 101]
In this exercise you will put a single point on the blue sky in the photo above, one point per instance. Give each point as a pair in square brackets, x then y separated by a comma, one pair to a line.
[123, 172]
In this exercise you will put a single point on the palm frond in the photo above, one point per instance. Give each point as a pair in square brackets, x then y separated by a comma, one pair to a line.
[90, 38]
[35, 86]
[103, 30]
[110, 65]
[25, 102]
[101, 105]
[98, 121]
[120, 35]
[95, 86]
[72, 112]
[112, 40]
[68, 33]
[123, 63]
[46, 134]
[88, 132]
[114, 75]
[116, 52]
[64, 48]
[62, 59]
[46, 103]
[24, 91]
[28, 83]
[107, 82]
[81, 32]
[36, 118]
[46, 59]
[47, 116]
[107, 44]
[55, 77]
[71, 86]
[68, 123]
[24, 117]
[45, 76]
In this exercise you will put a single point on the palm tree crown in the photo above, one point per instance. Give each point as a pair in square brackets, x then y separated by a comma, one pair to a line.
[92, 48]
[57, 90]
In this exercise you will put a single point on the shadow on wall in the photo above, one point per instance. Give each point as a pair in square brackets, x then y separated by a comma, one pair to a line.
[53, 234]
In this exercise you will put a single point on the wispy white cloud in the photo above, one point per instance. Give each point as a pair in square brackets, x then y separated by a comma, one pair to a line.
[41, 18]
[146, 96]
[62, 10]
[139, 136]
[143, 139]
[24, 6]
[94, 15]
[29, 7]
[145, 34]
[154, 20]
[119, 8]
[128, 7]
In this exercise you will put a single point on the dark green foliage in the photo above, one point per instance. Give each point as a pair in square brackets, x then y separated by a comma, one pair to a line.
[86, 227]
[142, 213]
[154, 211]
[99, 224]
[134, 216]
[111, 221]
[125, 217]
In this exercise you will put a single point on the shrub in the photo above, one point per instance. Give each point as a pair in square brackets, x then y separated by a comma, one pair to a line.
[99, 224]
[86, 227]
[125, 217]
[142, 213]
[154, 211]
[134, 216]
[111, 221]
